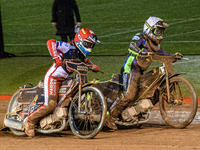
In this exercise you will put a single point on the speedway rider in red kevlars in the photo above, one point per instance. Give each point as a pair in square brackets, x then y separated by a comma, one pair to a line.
[84, 42]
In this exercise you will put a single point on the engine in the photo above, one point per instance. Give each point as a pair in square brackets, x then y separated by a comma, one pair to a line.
[53, 120]
[135, 113]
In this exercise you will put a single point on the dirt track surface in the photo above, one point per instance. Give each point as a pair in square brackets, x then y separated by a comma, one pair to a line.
[151, 136]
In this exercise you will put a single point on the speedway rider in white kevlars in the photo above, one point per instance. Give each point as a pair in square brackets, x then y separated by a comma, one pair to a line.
[84, 41]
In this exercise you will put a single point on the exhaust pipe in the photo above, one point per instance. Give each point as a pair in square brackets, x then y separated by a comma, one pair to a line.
[13, 124]
[53, 130]
[18, 125]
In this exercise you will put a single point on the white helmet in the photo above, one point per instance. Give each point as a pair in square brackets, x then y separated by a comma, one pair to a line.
[154, 27]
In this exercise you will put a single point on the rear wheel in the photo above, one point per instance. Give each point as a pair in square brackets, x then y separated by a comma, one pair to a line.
[89, 121]
[180, 110]
[12, 115]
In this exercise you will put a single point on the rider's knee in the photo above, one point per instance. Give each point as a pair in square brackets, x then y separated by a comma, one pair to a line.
[52, 102]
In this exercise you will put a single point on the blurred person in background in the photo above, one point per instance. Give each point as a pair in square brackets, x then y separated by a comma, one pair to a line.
[63, 18]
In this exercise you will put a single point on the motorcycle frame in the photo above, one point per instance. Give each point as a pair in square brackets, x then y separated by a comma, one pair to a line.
[82, 70]
[169, 73]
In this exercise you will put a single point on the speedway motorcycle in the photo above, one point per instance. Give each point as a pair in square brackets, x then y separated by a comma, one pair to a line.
[80, 105]
[176, 95]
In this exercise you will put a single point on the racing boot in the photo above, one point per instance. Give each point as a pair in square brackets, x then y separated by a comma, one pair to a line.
[110, 122]
[29, 129]
[116, 109]
[113, 116]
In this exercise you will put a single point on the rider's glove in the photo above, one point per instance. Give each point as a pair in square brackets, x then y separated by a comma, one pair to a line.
[95, 68]
[58, 62]
[76, 28]
[178, 55]
[144, 54]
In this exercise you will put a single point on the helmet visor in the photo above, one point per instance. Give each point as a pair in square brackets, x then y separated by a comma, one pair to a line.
[93, 38]
[88, 44]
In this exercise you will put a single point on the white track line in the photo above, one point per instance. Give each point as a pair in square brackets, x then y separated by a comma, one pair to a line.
[178, 22]
[173, 35]
[136, 30]
[118, 33]
[187, 61]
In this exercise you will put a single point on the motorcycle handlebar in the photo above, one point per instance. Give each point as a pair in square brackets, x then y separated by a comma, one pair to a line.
[148, 54]
[145, 54]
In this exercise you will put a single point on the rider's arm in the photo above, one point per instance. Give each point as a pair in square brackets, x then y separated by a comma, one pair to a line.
[163, 53]
[135, 45]
[88, 61]
[94, 67]
[52, 47]
[56, 49]
[64, 47]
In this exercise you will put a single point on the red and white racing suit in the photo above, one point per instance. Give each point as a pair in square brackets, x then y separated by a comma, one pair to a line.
[56, 74]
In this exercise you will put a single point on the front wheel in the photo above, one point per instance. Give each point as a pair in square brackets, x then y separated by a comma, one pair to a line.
[88, 120]
[180, 109]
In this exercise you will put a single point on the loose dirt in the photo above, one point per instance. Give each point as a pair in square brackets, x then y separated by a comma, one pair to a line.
[154, 135]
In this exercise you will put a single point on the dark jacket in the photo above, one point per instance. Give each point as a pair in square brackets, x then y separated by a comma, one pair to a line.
[63, 14]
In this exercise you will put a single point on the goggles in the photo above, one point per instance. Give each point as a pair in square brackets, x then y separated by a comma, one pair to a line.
[88, 44]
[158, 31]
